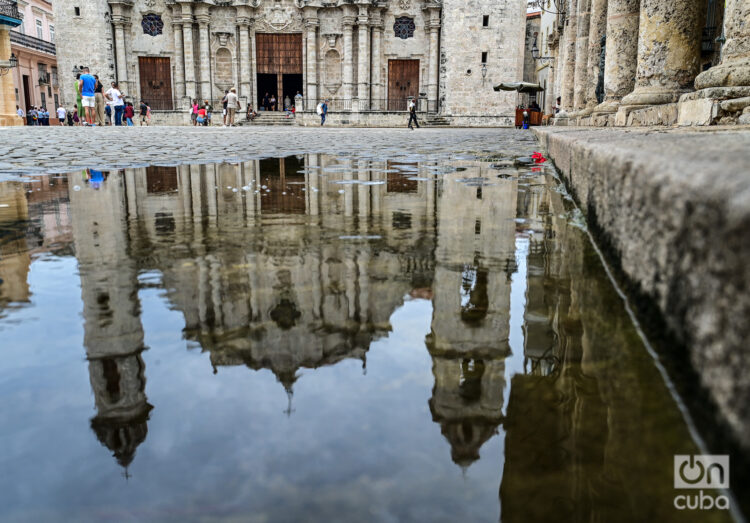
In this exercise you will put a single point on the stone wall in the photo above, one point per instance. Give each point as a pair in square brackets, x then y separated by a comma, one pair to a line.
[464, 92]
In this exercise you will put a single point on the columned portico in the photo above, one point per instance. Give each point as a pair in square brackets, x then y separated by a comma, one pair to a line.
[312, 23]
[434, 57]
[348, 66]
[202, 17]
[187, 39]
[363, 59]
[243, 26]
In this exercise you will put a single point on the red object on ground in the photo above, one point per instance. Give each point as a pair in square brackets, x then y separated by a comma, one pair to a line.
[538, 157]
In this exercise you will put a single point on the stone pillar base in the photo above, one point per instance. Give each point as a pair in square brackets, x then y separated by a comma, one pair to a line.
[725, 75]
[10, 120]
[653, 96]
[712, 105]
[606, 107]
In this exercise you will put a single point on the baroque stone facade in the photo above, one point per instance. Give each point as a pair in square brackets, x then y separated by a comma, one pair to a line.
[364, 56]
[664, 62]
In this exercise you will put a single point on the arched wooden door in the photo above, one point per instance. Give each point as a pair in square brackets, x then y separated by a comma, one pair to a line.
[403, 82]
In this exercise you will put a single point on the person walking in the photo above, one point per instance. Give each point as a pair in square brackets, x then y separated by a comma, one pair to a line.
[144, 113]
[61, 113]
[45, 117]
[114, 95]
[413, 114]
[194, 112]
[21, 114]
[232, 106]
[70, 117]
[323, 111]
[99, 103]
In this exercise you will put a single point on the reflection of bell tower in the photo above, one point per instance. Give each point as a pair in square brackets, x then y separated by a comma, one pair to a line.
[113, 334]
[468, 341]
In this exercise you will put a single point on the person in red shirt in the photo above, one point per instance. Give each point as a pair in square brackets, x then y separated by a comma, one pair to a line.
[202, 116]
[129, 113]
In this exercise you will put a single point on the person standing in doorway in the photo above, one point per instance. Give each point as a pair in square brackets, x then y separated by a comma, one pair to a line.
[61, 113]
[88, 99]
[413, 114]
[99, 102]
[232, 106]
[114, 95]
[266, 102]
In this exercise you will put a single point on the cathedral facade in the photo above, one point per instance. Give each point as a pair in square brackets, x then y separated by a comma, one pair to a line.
[365, 56]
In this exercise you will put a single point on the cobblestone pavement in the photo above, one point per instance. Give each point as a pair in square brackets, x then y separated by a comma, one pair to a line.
[28, 150]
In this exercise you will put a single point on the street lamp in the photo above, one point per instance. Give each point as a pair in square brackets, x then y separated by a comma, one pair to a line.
[484, 70]
[535, 54]
[77, 69]
[7, 65]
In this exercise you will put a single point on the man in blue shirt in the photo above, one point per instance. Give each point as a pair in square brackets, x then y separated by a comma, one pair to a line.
[88, 96]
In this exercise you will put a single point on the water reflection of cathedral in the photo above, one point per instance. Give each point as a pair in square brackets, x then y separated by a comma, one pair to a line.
[287, 264]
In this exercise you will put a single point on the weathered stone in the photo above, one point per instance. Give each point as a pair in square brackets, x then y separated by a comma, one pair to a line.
[734, 69]
[582, 79]
[738, 104]
[702, 111]
[621, 54]
[567, 88]
[678, 229]
[598, 28]
[665, 114]
[669, 46]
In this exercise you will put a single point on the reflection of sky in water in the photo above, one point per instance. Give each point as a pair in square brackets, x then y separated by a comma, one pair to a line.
[499, 356]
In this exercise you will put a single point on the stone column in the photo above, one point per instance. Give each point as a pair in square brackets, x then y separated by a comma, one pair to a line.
[569, 58]
[244, 23]
[598, 28]
[363, 59]
[348, 22]
[187, 39]
[253, 70]
[8, 114]
[621, 57]
[432, 81]
[179, 64]
[669, 50]
[205, 55]
[122, 57]
[734, 69]
[581, 79]
[311, 25]
[376, 66]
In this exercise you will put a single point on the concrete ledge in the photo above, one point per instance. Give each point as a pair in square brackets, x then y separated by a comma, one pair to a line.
[672, 211]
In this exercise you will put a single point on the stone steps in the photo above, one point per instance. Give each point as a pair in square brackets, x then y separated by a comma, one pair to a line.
[270, 118]
[436, 121]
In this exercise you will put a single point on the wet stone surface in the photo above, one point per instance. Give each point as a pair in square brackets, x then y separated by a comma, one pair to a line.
[380, 334]
[62, 149]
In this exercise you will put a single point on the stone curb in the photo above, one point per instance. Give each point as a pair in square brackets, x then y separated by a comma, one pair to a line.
[672, 208]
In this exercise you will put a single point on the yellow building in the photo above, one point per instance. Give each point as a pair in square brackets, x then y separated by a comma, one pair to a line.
[9, 18]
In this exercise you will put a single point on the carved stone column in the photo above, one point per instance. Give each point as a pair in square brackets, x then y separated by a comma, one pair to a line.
[254, 69]
[377, 55]
[569, 57]
[243, 23]
[433, 68]
[734, 69]
[204, 61]
[669, 50]
[581, 81]
[348, 22]
[621, 56]
[179, 64]
[363, 59]
[120, 22]
[187, 40]
[598, 28]
[311, 77]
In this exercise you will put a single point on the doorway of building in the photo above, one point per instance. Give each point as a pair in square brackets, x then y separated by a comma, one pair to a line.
[279, 62]
[292, 83]
[156, 81]
[403, 83]
[26, 92]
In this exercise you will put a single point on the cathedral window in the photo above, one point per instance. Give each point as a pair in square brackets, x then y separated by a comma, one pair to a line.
[404, 27]
[152, 24]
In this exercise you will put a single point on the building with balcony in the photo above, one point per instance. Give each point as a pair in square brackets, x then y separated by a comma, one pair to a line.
[33, 43]
[10, 17]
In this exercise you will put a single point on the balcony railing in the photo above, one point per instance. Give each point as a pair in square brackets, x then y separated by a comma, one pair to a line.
[9, 8]
[31, 41]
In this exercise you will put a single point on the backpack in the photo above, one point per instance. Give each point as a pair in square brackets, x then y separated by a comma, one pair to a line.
[320, 109]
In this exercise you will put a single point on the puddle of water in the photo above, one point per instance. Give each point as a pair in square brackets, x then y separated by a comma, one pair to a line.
[395, 342]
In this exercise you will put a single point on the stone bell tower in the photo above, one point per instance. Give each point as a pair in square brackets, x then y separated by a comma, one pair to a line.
[84, 38]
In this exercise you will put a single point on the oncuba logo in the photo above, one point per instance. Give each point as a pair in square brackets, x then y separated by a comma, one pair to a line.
[701, 472]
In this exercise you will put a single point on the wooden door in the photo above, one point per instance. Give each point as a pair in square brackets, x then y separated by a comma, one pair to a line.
[156, 82]
[278, 53]
[403, 82]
